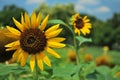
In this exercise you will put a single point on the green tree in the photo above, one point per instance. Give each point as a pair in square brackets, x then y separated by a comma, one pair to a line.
[107, 33]
[58, 11]
[8, 12]
[115, 20]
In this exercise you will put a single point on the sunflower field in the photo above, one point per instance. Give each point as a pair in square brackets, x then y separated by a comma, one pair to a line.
[58, 43]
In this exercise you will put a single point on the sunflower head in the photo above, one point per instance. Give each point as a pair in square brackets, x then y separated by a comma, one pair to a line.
[117, 74]
[71, 55]
[88, 57]
[104, 60]
[5, 55]
[32, 39]
[81, 24]
[105, 48]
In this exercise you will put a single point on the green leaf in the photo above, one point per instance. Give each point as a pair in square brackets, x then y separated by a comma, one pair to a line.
[71, 46]
[62, 71]
[67, 70]
[89, 68]
[104, 72]
[76, 69]
[6, 69]
[83, 39]
[57, 22]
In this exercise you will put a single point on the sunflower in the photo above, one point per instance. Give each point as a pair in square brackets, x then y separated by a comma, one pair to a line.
[106, 49]
[104, 60]
[33, 40]
[81, 24]
[5, 56]
[71, 55]
[88, 57]
[117, 74]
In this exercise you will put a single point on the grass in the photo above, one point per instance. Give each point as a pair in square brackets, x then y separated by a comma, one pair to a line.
[63, 67]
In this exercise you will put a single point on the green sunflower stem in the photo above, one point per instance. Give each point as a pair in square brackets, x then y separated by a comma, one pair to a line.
[77, 57]
[78, 63]
[77, 53]
[36, 71]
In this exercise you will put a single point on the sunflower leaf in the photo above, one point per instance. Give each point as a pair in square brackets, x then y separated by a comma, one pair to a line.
[56, 21]
[104, 72]
[7, 69]
[83, 39]
[67, 70]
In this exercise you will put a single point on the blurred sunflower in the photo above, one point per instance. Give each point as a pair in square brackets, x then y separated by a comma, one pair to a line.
[105, 49]
[88, 57]
[81, 24]
[71, 55]
[117, 74]
[104, 60]
[5, 56]
[33, 40]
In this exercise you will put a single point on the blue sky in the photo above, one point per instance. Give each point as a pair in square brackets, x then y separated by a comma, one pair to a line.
[102, 9]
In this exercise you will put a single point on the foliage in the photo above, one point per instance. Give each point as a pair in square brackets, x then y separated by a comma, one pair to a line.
[58, 11]
[8, 12]
[107, 33]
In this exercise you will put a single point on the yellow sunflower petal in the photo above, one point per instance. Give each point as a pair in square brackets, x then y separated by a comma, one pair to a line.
[22, 20]
[11, 35]
[32, 62]
[24, 59]
[47, 61]
[14, 31]
[87, 30]
[53, 34]
[19, 26]
[44, 23]
[89, 26]
[16, 53]
[85, 18]
[12, 48]
[39, 61]
[27, 20]
[75, 30]
[78, 33]
[52, 28]
[40, 55]
[19, 57]
[15, 43]
[40, 64]
[52, 52]
[33, 20]
[55, 44]
[57, 39]
[38, 19]
[83, 31]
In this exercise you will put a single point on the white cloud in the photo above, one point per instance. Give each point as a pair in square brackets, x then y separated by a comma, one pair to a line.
[82, 4]
[102, 9]
[90, 2]
[79, 7]
[35, 1]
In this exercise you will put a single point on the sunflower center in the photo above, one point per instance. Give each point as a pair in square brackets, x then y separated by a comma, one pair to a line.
[79, 23]
[33, 41]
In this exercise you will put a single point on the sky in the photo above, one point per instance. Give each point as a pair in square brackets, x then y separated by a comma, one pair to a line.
[102, 9]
